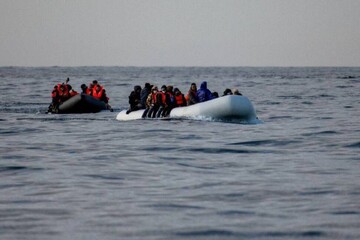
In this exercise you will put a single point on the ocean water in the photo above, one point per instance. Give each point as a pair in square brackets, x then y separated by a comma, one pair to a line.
[89, 176]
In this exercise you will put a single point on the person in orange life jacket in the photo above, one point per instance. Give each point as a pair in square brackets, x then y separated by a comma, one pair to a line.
[99, 93]
[55, 99]
[135, 100]
[163, 99]
[179, 98]
[153, 103]
[55, 95]
[72, 92]
[89, 90]
[170, 102]
[192, 97]
[63, 93]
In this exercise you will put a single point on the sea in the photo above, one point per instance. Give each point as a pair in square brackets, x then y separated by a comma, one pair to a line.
[89, 176]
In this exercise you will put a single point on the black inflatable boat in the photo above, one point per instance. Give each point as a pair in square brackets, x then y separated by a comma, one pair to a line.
[80, 103]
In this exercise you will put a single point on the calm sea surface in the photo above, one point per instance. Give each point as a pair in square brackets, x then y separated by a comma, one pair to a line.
[89, 176]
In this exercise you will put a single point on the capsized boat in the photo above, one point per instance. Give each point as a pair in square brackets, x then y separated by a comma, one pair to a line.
[80, 103]
[227, 108]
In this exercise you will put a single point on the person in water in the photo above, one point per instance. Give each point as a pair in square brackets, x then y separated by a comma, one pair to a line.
[192, 97]
[135, 100]
[204, 93]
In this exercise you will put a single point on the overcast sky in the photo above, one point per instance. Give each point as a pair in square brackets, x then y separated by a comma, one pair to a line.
[180, 33]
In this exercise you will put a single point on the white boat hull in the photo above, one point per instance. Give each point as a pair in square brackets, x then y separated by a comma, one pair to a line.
[231, 107]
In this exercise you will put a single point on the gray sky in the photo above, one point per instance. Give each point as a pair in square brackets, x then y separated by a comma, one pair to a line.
[180, 33]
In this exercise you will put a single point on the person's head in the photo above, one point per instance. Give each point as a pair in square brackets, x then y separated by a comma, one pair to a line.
[95, 82]
[154, 89]
[203, 85]
[177, 91]
[55, 87]
[83, 87]
[169, 88]
[193, 87]
[215, 94]
[163, 88]
[137, 89]
[147, 86]
[227, 92]
[236, 91]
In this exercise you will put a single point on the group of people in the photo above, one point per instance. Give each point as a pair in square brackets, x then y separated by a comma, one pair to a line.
[159, 103]
[64, 91]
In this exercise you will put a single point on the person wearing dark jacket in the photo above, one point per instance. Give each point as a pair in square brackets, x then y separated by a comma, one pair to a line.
[204, 93]
[144, 94]
[134, 100]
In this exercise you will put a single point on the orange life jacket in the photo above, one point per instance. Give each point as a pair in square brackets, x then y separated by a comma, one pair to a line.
[73, 93]
[179, 100]
[88, 91]
[54, 93]
[99, 94]
[153, 97]
[163, 98]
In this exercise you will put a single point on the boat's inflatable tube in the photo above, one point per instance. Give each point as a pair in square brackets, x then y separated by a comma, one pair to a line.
[81, 103]
[231, 107]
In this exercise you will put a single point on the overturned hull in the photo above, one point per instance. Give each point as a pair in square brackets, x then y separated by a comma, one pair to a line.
[231, 107]
[81, 103]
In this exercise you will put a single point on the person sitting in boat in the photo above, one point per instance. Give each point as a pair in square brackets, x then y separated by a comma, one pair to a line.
[179, 98]
[169, 102]
[204, 93]
[192, 97]
[89, 90]
[99, 93]
[148, 102]
[144, 94]
[55, 99]
[84, 89]
[153, 103]
[215, 94]
[163, 100]
[64, 93]
[72, 92]
[227, 92]
[135, 100]
[236, 92]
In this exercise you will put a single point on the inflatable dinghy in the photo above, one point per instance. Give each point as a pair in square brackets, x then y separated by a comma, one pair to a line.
[226, 108]
[80, 103]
